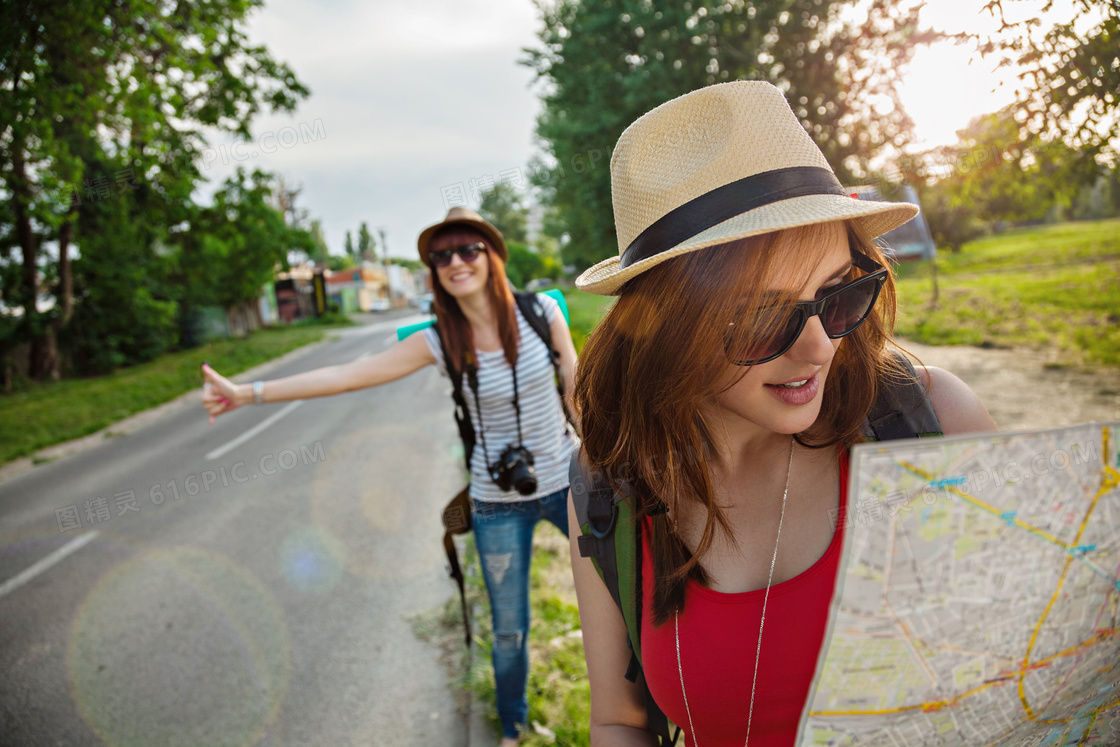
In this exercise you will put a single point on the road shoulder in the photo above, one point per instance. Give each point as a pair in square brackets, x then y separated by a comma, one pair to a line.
[133, 423]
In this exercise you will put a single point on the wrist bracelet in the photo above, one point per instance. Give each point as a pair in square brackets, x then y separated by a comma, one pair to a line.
[258, 392]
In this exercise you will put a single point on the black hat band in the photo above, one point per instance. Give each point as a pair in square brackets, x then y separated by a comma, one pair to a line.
[723, 203]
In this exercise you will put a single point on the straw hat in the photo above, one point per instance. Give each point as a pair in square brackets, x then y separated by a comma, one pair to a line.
[466, 217]
[721, 163]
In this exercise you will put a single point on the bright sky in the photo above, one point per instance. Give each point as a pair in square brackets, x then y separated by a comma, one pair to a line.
[411, 102]
[945, 88]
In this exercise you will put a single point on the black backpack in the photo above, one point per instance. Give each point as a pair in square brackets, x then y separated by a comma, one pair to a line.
[610, 534]
[456, 514]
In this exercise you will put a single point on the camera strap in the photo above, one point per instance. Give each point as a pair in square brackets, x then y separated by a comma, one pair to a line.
[472, 381]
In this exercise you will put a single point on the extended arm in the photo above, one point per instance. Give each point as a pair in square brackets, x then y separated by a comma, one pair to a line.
[220, 395]
[618, 713]
[958, 408]
[562, 343]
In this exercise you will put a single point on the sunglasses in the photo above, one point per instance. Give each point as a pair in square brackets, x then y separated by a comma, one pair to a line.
[841, 310]
[466, 252]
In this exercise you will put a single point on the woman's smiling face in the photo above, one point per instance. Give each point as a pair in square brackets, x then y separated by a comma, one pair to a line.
[459, 278]
[784, 395]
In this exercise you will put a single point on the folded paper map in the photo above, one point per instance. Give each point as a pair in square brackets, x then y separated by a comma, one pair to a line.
[978, 600]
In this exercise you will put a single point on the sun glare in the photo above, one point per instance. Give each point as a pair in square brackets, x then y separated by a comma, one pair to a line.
[947, 84]
[944, 90]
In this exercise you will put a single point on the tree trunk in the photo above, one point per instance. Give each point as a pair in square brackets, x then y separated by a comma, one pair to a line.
[44, 355]
[52, 361]
[65, 277]
[44, 352]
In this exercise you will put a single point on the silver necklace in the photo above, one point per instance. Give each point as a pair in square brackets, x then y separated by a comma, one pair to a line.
[761, 623]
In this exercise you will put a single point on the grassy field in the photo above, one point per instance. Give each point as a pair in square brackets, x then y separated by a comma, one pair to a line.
[53, 412]
[585, 309]
[1055, 286]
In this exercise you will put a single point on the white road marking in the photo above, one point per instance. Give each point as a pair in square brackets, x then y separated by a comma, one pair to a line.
[70, 547]
[222, 450]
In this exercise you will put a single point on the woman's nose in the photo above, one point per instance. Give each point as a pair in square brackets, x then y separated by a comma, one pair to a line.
[813, 345]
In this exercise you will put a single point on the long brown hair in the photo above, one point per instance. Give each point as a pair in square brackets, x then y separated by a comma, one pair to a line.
[659, 355]
[452, 324]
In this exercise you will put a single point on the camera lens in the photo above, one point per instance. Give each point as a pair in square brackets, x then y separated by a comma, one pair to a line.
[514, 468]
[524, 477]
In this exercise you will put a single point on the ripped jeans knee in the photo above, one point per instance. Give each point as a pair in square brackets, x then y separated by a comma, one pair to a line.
[509, 641]
[497, 564]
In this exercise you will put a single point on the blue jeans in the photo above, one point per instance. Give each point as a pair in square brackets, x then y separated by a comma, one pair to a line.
[503, 533]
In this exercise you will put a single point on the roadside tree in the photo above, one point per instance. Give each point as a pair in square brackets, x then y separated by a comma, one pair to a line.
[105, 108]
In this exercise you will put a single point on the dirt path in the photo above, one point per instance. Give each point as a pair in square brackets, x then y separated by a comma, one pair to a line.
[1025, 388]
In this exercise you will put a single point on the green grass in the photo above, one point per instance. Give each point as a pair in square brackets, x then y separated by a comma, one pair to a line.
[1055, 286]
[585, 310]
[52, 412]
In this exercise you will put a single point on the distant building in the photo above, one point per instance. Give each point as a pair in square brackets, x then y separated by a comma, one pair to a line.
[911, 240]
[360, 289]
[299, 295]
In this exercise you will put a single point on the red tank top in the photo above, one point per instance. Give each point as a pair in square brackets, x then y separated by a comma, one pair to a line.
[718, 640]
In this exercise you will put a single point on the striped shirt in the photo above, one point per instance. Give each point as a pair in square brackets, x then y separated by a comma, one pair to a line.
[543, 426]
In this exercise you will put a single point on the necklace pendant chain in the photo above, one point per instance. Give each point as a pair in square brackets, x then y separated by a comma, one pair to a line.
[761, 623]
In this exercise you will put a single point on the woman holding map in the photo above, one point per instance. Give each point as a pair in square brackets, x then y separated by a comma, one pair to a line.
[747, 351]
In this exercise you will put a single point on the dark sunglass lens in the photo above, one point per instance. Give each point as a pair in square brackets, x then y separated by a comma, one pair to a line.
[771, 334]
[848, 308]
[440, 257]
[469, 253]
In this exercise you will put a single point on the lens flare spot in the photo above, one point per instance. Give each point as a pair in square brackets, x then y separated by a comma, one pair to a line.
[178, 647]
[382, 500]
[312, 560]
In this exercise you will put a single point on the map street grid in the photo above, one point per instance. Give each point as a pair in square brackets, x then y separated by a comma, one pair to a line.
[978, 600]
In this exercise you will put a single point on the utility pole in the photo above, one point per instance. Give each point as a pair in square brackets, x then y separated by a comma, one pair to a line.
[385, 254]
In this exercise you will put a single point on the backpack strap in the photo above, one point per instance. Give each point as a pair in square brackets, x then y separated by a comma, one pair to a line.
[456, 514]
[610, 538]
[456, 517]
[597, 513]
[462, 414]
[531, 309]
[902, 408]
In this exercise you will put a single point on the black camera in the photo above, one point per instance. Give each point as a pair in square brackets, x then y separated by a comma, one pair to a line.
[514, 469]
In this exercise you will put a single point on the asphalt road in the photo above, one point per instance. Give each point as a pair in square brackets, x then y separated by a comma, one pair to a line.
[244, 583]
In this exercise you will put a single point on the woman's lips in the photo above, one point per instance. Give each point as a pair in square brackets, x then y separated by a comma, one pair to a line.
[795, 392]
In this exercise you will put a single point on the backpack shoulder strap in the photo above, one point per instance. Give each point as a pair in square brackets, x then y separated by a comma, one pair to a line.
[609, 537]
[530, 306]
[597, 514]
[462, 414]
[902, 408]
